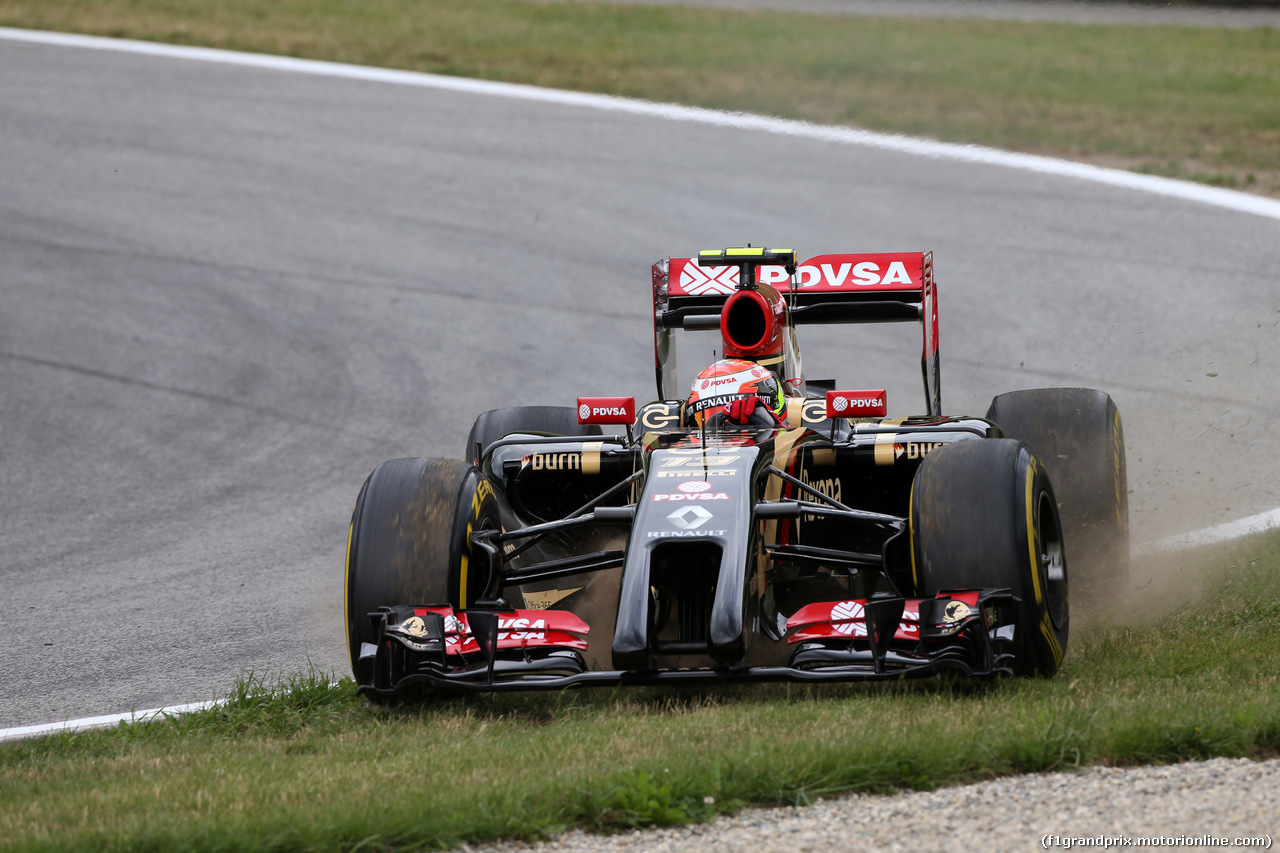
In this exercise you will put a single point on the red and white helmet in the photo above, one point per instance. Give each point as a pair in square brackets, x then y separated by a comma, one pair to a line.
[724, 386]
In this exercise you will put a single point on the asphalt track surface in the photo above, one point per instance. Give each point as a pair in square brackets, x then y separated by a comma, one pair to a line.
[227, 293]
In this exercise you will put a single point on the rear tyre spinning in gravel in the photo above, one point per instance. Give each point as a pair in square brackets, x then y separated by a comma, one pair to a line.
[1076, 433]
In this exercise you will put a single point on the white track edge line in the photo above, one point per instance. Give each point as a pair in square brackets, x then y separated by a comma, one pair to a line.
[1238, 529]
[1168, 187]
[104, 722]
[1228, 199]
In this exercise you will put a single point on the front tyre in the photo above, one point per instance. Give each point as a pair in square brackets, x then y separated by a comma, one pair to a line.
[983, 515]
[409, 540]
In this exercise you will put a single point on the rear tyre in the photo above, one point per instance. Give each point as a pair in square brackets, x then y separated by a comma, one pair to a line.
[409, 540]
[1077, 435]
[496, 423]
[983, 515]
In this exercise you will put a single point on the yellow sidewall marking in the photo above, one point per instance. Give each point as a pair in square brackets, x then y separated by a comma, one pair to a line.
[483, 490]
[346, 586]
[1033, 541]
[1031, 538]
[1117, 439]
[1046, 628]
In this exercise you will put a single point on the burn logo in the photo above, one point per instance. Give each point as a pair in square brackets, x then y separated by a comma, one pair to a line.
[555, 461]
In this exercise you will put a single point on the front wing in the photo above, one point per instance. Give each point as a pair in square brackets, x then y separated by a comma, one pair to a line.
[435, 649]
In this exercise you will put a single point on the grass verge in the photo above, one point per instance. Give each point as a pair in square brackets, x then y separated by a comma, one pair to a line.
[304, 764]
[1198, 104]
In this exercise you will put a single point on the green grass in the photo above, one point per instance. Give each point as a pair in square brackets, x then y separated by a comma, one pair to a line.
[1200, 104]
[304, 764]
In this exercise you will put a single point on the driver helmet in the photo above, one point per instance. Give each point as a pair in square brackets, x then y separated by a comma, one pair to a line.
[724, 387]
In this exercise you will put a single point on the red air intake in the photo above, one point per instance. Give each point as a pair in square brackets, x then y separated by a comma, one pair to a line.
[752, 323]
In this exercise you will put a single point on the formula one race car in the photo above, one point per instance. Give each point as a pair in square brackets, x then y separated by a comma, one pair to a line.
[763, 527]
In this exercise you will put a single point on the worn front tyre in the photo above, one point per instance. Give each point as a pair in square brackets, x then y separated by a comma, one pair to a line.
[409, 541]
[983, 515]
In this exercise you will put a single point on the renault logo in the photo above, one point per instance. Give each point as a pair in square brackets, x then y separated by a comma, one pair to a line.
[689, 517]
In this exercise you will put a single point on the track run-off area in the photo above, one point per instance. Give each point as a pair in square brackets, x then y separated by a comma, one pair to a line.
[233, 283]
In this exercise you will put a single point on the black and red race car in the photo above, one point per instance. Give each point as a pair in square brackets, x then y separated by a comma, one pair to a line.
[827, 542]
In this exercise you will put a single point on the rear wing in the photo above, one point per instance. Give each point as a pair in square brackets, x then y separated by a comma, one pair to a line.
[689, 293]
